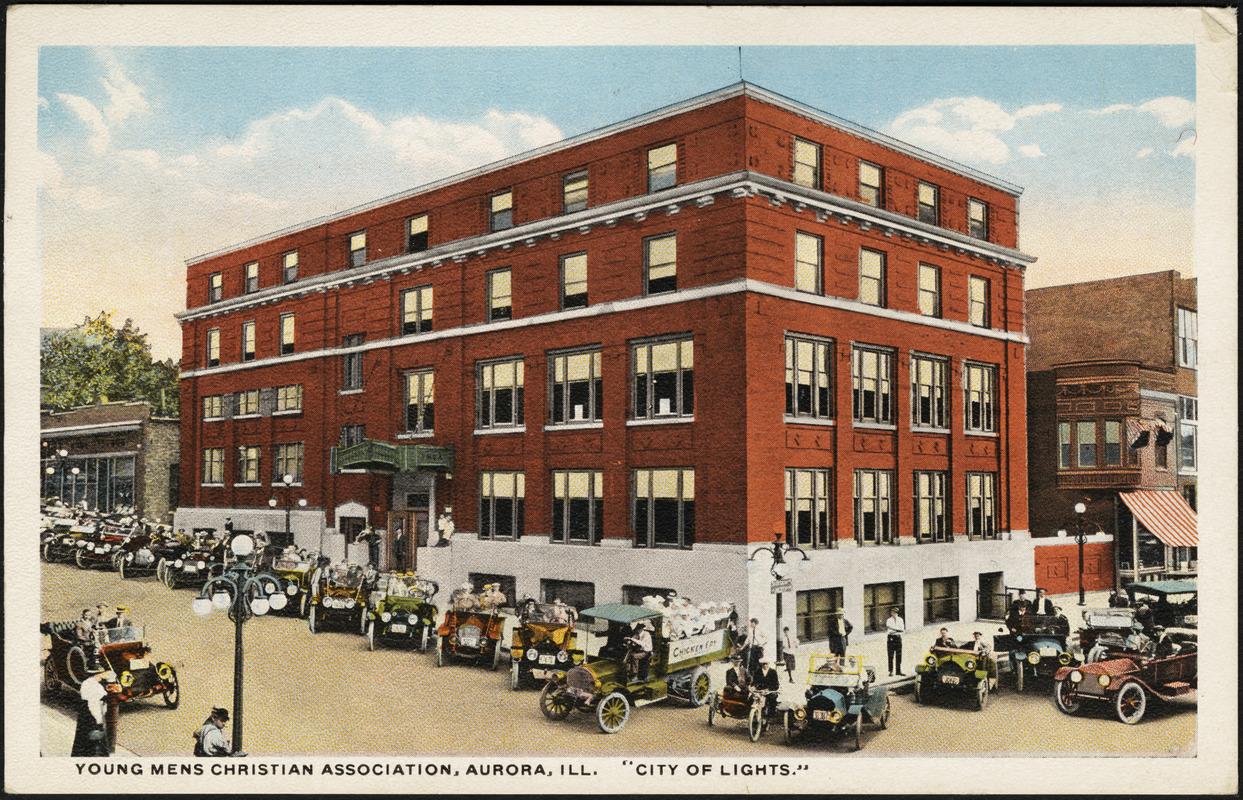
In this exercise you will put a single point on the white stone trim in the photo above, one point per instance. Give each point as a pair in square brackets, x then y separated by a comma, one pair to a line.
[110, 427]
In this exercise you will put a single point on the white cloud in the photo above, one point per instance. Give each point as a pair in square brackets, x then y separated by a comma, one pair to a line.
[43, 103]
[148, 158]
[1147, 151]
[1031, 151]
[125, 97]
[92, 116]
[1185, 147]
[1036, 111]
[50, 175]
[1172, 111]
[961, 127]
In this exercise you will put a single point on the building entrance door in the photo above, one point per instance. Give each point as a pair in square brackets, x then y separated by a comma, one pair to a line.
[407, 532]
[991, 599]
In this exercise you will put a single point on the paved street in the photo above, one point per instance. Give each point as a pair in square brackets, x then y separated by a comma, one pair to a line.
[326, 694]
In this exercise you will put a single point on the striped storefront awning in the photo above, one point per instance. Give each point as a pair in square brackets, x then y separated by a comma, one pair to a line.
[1166, 514]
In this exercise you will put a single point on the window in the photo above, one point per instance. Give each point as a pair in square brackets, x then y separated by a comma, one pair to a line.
[664, 508]
[929, 290]
[352, 363]
[289, 398]
[809, 391]
[979, 385]
[248, 341]
[808, 498]
[574, 281]
[981, 516]
[576, 594]
[977, 301]
[872, 385]
[213, 347]
[213, 466]
[353, 434]
[248, 464]
[662, 167]
[814, 609]
[213, 406]
[660, 261]
[1187, 338]
[873, 506]
[501, 505]
[1113, 443]
[878, 598]
[416, 310]
[500, 295]
[501, 211]
[977, 219]
[290, 267]
[248, 403]
[872, 278]
[940, 600]
[926, 200]
[928, 391]
[930, 511]
[251, 280]
[806, 164]
[215, 287]
[577, 391]
[287, 334]
[416, 234]
[577, 507]
[574, 191]
[633, 595]
[1085, 434]
[808, 262]
[358, 249]
[1160, 455]
[500, 394]
[870, 191]
[1063, 445]
[288, 461]
[1187, 441]
[664, 379]
[420, 402]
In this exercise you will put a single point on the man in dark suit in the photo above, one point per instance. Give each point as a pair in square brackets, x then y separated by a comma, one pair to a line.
[839, 633]
[768, 683]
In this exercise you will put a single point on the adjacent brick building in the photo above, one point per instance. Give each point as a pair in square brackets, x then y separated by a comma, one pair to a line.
[621, 362]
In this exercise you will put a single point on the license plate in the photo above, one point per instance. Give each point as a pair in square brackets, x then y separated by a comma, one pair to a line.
[823, 716]
[1048, 651]
[547, 659]
[950, 679]
[189, 568]
[137, 664]
[545, 673]
[397, 627]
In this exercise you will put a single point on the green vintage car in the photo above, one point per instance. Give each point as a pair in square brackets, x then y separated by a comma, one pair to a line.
[294, 568]
[400, 610]
[956, 670]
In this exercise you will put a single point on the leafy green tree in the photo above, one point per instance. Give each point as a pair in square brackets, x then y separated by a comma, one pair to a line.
[97, 362]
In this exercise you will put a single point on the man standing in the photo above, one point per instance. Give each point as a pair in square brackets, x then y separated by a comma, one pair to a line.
[789, 644]
[895, 626]
[89, 738]
[211, 740]
[756, 642]
[839, 634]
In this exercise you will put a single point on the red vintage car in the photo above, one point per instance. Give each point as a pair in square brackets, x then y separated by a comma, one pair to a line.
[1127, 676]
[121, 649]
[472, 629]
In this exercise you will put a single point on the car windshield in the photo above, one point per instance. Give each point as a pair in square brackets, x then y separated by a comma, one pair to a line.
[291, 562]
[397, 584]
[839, 671]
[548, 612]
[351, 576]
[128, 633]
[1110, 618]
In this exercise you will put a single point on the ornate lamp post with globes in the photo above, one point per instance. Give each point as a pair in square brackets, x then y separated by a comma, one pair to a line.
[287, 481]
[1081, 526]
[778, 551]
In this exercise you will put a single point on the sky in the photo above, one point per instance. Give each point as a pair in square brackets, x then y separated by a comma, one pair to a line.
[148, 156]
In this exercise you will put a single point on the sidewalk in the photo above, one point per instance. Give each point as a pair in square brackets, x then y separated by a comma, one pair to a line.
[56, 734]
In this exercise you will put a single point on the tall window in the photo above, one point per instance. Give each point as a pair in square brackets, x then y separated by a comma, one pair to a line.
[352, 363]
[930, 510]
[215, 287]
[873, 506]
[577, 390]
[500, 295]
[808, 498]
[248, 341]
[1160, 455]
[213, 406]
[977, 218]
[500, 394]
[929, 290]
[926, 197]
[420, 402]
[806, 164]
[289, 398]
[870, 190]
[1187, 338]
[981, 514]
[577, 507]
[358, 249]
[664, 508]
[808, 262]
[251, 282]
[1063, 446]
[353, 434]
[1085, 435]
[574, 191]
[662, 167]
[809, 391]
[1189, 415]
[290, 267]
[878, 598]
[871, 277]
[287, 334]
[979, 384]
[502, 505]
[574, 281]
[664, 379]
[872, 384]
[248, 403]
[213, 347]
[416, 310]
[660, 261]
[977, 301]
[416, 234]
[1113, 443]
[248, 464]
[940, 600]
[928, 391]
[213, 466]
[501, 211]
[813, 611]
[288, 461]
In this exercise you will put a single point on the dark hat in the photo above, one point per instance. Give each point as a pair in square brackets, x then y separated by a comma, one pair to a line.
[221, 714]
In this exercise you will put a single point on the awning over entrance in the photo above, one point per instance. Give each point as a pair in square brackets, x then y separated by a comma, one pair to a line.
[1166, 514]
[376, 456]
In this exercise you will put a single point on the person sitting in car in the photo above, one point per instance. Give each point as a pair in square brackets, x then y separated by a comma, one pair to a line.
[639, 650]
[944, 639]
[978, 644]
[736, 678]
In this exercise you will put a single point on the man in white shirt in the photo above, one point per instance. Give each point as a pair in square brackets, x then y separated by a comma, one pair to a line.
[757, 642]
[895, 626]
[212, 741]
[640, 647]
[89, 738]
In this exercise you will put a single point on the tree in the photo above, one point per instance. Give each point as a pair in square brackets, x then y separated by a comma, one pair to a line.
[96, 362]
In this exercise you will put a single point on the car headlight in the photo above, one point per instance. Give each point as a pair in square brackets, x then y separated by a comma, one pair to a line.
[800, 713]
[1104, 680]
[129, 556]
[532, 654]
[164, 670]
[127, 678]
[178, 563]
[835, 716]
[1076, 676]
[968, 665]
[291, 589]
[81, 544]
[385, 617]
[349, 603]
[931, 661]
[105, 548]
[413, 619]
[1033, 658]
[1063, 658]
[563, 656]
[202, 565]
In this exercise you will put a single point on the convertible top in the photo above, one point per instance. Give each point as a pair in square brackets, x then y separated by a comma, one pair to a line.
[620, 612]
[1162, 588]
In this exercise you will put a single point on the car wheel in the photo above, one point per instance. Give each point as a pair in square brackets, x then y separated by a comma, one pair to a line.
[612, 712]
[440, 652]
[787, 726]
[312, 620]
[1018, 677]
[701, 687]
[1130, 702]
[884, 714]
[79, 560]
[50, 684]
[1064, 696]
[713, 702]
[172, 695]
[755, 722]
[47, 552]
[159, 570]
[75, 666]
[170, 576]
[426, 635]
[554, 704]
[981, 694]
[370, 634]
[304, 605]
[362, 622]
[496, 655]
[919, 689]
[859, 731]
[121, 569]
[514, 680]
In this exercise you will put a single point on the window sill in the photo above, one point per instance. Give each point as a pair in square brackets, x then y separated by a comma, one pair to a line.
[986, 434]
[574, 426]
[247, 416]
[499, 431]
[351, 391]
[352, 471]
[931, 430]
[293, 412]
[873, 426]
[407, 435]
[212, 485]
[214, 419]
[793, 420]
[659, 421]
[248, 486]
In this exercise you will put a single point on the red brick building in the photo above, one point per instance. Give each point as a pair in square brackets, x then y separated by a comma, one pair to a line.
[623, 361]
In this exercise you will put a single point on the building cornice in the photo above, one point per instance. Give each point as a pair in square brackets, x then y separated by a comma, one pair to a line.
[98, 427]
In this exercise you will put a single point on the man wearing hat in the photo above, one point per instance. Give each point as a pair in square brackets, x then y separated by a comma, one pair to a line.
[769, 683]
[640, 650]
[210, 740]
[89, 738]
[736, 676]
[978, 644]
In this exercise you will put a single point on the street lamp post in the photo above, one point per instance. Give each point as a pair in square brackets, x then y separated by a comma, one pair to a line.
[778, 551]
[244, 592]
[60, 457]
[1080, 524]
[287, 482]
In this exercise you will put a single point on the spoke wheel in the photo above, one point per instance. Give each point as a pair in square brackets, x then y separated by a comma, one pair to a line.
[170, 576]
[884, 714]
[362, 622]
[514, 680]
[1131, 702]
[1018, 675]
[370, 634]
[79, 560]
[859, 730]
[1064, 696]
[701, 687]
[440, 653]
[554, 704]
[75, 664]
[121, 569]
[496, 654]
[313, 620]
[713, 703]
[981, 694]
[47, 552]
[426, 635]
[612, 712]
[172, 695]
[755, 722]
[50, 684]
[304, 605]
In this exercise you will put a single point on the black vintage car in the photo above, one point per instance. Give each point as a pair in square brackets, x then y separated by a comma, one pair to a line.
[121, 649]
[1038, 647]
[341, 599]
[193, 566]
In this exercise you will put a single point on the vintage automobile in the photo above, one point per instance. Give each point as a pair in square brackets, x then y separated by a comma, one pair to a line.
[100, 550]
[62, 545]
[294, 567]
[605, 684]
[842, 694]
[1173, 603]
[140, 553]
[340, 599]
[1106, 627]
[473, 628]
[544, 645]
[748, 703]
[192, 567]
[1126, 677]
[961, 670]
[1038, 647]
[121, 649]
[400, 610]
